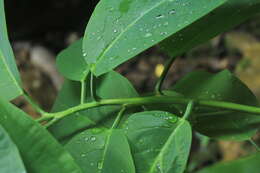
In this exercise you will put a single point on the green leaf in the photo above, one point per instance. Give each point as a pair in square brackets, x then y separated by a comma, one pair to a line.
[102, 151]
[69, 96]
[40, 152]
[10, 160]
[225, 17]
[71, 63]
[248, 164]
[159, 141]
[9, 75]
[219, 123]
[120, 29]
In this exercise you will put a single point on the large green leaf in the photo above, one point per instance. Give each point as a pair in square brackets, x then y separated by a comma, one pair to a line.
[9, 75]
[102, 151]
[71, 63]
[222, 86]
[40, 152]
[228, 15]
[110, 85]
[10, 160]
[248, 164]
[160, 141]
[120, 29]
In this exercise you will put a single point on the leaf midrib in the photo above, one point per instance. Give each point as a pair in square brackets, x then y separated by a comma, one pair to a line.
[10, 73]
[129, 26]
[157, 159]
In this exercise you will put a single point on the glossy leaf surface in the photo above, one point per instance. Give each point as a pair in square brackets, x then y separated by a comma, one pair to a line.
[244, 165]
[120, 29]
[102, 151]
[10, 160]
[160, 141]
[40, 152]
[219, 123]
[228, 15]
[71, 63]
[69, 96]
[9, 75]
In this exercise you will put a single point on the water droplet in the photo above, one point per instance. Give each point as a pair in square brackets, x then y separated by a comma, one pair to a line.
[91, 164]
[83, 155]
[160, 16]
[84, 54]
[134, 48]
[100, 165]
[159, 168]
[163, 33]
[93, 138]
[111, 9]
[173, 11]
[166, 24]
[86, 139]
[148, 35]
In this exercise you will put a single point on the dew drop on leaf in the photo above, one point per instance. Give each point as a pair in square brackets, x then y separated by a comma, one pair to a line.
[148, 35]
[99, 165]
[160, 16]
[173, 11]
[93, 138]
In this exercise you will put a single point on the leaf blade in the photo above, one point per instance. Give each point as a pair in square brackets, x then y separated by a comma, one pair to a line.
[10, 160]
[218, 123]
[154, 137]
[71, 64]
[35, 143]
[243, 165]
[70, 96]
[101, 148]
[228, 15]
[108, 44]
[9, 74]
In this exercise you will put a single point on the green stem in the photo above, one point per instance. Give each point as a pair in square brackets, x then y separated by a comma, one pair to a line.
[153, 100]
[254, 144]
[83, 91]
[188, 110]
[118, 118]
[33, 104]
[92, 87]
[160, 81]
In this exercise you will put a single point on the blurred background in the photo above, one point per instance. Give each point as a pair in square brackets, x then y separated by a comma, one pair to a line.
[39, 30]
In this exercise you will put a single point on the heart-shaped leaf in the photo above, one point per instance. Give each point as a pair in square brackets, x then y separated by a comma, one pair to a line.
[71, 63]
[120, 29]
[102, 151]
[219, 123]
[160, 141]
[69, 96]
[9, 75]
[10, 160]
[40, 152]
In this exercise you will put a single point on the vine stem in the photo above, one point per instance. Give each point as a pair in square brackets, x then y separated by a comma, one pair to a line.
[118, 118]
[158, 86]
[254, 144]
[152, 100]
[83, 91]
[188, 110]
